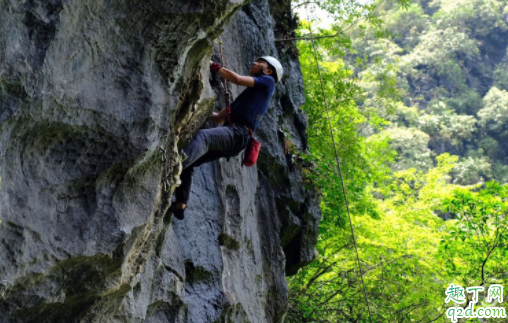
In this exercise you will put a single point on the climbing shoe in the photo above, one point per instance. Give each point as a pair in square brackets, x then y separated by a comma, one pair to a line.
[178, 213]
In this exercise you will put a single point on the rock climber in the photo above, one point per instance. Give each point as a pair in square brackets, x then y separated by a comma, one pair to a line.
[243, 119]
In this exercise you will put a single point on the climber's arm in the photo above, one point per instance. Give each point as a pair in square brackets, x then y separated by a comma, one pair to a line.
[232, 77]
[235, 78]
[219, 117]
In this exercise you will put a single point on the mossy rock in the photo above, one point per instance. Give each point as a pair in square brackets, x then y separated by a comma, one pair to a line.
[228, 242]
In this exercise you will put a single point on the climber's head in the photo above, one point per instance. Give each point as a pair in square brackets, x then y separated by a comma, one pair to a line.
[261, 67]
[267, 65]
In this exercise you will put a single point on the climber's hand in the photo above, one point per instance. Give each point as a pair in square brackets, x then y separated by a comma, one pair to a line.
[215, 67]
[219, 117]
[232, 76]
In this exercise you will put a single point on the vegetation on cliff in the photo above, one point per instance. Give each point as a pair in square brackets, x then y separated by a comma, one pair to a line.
[418, 94]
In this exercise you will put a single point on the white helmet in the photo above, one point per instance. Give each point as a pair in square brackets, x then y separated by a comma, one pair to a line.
[276, 64]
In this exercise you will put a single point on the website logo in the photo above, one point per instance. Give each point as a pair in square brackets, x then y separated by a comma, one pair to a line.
[457, 294]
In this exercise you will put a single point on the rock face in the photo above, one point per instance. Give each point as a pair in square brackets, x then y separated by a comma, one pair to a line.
[90, 91]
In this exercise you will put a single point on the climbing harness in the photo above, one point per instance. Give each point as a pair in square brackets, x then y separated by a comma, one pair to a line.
[165, 161]
[338, 162]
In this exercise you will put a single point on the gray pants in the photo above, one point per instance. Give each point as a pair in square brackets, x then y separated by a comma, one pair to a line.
[206, 146]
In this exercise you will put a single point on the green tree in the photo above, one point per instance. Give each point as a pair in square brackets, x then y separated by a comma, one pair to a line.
[361, 163]
[445, 126]
[411, 146]
[407, 26]
[471, 170]
[399, 192]
[501, 77]
[398, 253]
[474, 249]
[477, 18]
[494, 116]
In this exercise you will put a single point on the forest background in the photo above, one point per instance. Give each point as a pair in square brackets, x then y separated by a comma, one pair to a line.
[418, 97]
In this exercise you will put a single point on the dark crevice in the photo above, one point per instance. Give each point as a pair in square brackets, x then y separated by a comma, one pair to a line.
[41, 29]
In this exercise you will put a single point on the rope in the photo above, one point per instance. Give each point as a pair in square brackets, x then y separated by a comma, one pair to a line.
[338, 163]
[227, 94]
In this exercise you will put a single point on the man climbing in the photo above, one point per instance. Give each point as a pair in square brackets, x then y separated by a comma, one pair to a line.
[242, 119]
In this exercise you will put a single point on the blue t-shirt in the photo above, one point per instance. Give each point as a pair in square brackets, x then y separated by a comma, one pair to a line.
[251, 105]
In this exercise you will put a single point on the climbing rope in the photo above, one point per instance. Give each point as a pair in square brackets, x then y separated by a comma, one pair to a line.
[338, 161]
[227, 93]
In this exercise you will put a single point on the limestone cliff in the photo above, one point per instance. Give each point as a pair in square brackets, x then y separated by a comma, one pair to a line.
[89, 93]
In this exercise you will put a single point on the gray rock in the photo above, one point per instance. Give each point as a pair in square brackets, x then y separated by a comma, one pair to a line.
[89, 92]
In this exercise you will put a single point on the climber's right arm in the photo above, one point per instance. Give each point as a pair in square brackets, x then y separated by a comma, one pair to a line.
[231, 76]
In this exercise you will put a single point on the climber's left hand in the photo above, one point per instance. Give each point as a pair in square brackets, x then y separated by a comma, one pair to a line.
[215, 66]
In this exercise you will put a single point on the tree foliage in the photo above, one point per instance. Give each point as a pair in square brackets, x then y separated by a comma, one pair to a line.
[403, 92]
[450, 63]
